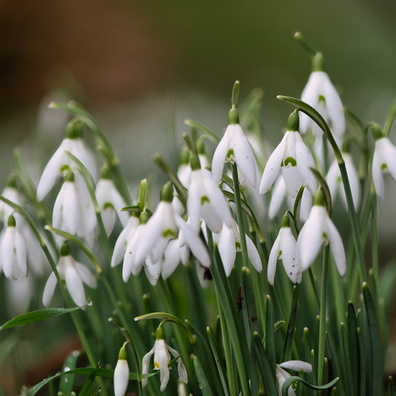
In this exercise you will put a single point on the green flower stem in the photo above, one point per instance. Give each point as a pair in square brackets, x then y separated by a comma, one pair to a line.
[103, 144]
[231, 338]
[312, 113]
[322, 315]
[374, 234]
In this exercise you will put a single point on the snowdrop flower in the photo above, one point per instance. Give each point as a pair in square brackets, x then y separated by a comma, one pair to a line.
[162, 351]
[13, 251]
[235, 148]
[151, 239]
[229, 243]
[73, 210]
[384, 160]
[121, 373]
[293, 158]
[285, 249]
[123, 239]
[319, 230]
[206, 201]
[282, 375]
[320, 93]
[334, 180]
[61, 161]
[10, 192]
[75, 275]
[110, 201]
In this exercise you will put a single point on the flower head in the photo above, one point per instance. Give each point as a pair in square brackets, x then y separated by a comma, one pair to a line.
[384, 160]
[75, 275]
[293, 158]
[320, 93]
[282, 375]
[319, 230]
[285, 249]
[61, 161]
[235, 148]
[162, 356]
[121, 373]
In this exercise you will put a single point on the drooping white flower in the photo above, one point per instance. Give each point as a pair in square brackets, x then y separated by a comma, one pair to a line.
[73, 210]
[384, 161]
[334, 180]
[229, 243]
[61, 161]
[121, 373]
[13, 251]
[110, 202]
[285, 249]
[319, 92]
[319, 230]
[151, 239]
[293, 159]
[235, 148]
[206, 201]
[75, 275]
[282, 375]
[162, 356]
[123, 239]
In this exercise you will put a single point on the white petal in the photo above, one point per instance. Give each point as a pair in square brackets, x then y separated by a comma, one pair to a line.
[297, 365]
[145, 364]
[219, 158]
[86, 275]
[121, 377]
[244, 156]
[288, 247]
[337, 246]
[74, 284]
[49, 289]
[253, 255]
[171, 258]
[123, 239]
[227, 249]
[21, 253]
[278, 194]
[272, 167]
[152, 270]
[310, 239]
[272, 261]
[80, 149]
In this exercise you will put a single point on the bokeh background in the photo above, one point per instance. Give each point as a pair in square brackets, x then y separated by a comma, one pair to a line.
[143, 67]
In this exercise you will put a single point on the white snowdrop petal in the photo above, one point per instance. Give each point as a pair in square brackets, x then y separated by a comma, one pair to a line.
[297, 365]
[145, 364]
[273, 261]
[272, 167]
[49, 289]
[279, 192]
[86, 275]
[336, 246]
[121, 377]
[253, 255]
[74, 285]
[21, 253]
[288, 247]
[227, 249]
[219, 158]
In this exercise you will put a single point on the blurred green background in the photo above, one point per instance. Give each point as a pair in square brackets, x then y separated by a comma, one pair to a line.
[142, 67]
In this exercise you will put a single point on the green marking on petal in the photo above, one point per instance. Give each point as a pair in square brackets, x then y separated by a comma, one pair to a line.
[321, 99]
[230, 156]
[108, 206]
[339, 179]
[289, 161]
[238, 246]
[169, 233]
[384, 167]
[279, 254]
[205, 200]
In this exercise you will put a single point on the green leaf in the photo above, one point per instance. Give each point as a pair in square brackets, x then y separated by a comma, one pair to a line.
[201, 377]
[290, 380]
[36, 316]
[66, 383]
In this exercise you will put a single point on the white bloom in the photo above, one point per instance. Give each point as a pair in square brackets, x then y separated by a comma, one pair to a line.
[13, 252]
[285, 249]
[282, 375]
[123, 239]
[384, 160]
[334, 180]
[12, 194]
[61, 161]
[206, 201]
[229, 243]
[320, 93]
[75, 275]
[110, 204]
[319, 230]
[73, 210]
[293, 158]
[121, 373]
[162, 352]
[234, 147]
